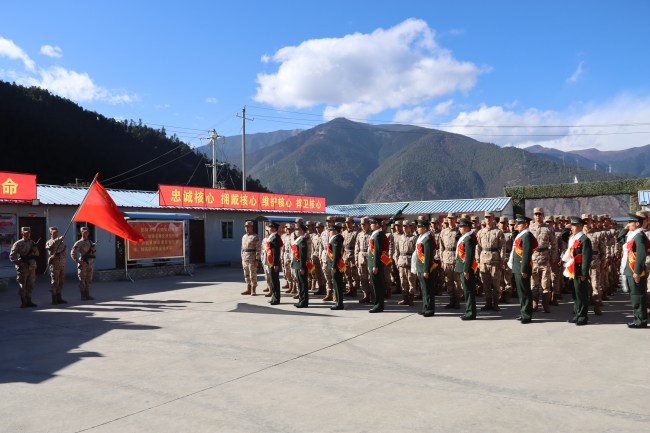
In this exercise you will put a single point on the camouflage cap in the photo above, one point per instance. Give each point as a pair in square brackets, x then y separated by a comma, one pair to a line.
[398, 223]
[289, 226]
[538, 210]
[309, 223]
[451, 215]
[642, 213]
[407, 223]
[25, 229]
[349, 220]
[585, 216]
[83, 229]
[330, 218]
[474, 218]
[488, 214]
[249, 224]
[320, 224]
[503, 219]
[299, 220]
[364, 220]
[54, 229]
[548, 219]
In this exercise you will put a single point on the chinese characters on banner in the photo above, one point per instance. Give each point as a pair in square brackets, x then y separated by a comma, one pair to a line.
[16, 186]
[188, 196]
[162, 239]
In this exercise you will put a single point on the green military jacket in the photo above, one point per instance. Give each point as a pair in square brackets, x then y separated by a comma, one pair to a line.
[636, 254]
[465, 253]
[273, 250]
[522, 253]
[582, 247]
[300, 253]
[334, 251]
[425, 250]
[375, 248]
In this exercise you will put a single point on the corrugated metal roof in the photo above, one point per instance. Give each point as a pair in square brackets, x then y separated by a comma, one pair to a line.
[471, 205]
[55, 195]
[644, 197]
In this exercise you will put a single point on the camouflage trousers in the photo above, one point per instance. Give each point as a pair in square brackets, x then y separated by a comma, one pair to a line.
[327, 272]
[364, 278]
[541, 279]
[250, 273]
[491, 278]
[57, 275]
[595, 276]
[407, 279]
[351, 273]
[26, 277]
[288, 273]
[85, 274]
[318, 276]
[452, 281]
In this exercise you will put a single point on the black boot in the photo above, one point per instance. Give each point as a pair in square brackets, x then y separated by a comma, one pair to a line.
[29, 302]
[55, 299]
[23, 302]
[83, 296]
[60, 299]
[88, 297]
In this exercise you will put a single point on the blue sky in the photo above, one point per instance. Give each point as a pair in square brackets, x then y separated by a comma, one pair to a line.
[564, 74]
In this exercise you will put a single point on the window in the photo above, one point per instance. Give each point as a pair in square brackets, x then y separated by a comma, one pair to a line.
[226, 229]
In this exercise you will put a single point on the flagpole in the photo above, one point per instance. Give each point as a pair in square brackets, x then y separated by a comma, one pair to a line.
[82, 202]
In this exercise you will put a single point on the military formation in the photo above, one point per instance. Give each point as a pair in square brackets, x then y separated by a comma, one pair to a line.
[539, 259]
[24, 254]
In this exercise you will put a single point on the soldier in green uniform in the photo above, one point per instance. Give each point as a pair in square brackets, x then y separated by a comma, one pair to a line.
[23, 253]
[273, 250]
[521, 264]
[300, 256]
[424, 265]
[633, 267]
[335, 263]
[466, 265]
[578, 261]
[377, 250]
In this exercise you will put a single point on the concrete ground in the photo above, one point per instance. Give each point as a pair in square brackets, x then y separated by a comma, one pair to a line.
[190, 354]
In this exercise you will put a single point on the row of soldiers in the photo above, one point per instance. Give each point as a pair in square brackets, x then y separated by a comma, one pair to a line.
[24, 253]
[494, 243]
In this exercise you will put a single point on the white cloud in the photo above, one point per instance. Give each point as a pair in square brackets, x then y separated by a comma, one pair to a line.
[576, 74]
[9, 49]
[616, 124]
[359, 75]
[211, 100]
[423, 115]
[52, 51]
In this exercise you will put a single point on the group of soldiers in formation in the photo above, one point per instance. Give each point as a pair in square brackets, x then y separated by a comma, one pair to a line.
[24, 253]
[539, 259]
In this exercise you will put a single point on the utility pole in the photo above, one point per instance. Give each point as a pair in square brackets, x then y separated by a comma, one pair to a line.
[243, 146]
[213, 142]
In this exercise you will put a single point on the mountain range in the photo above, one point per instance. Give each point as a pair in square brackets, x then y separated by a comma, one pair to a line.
[351, 162]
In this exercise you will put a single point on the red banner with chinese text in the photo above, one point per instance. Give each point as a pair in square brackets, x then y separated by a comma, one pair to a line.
[163, 239]
[188, 196]
[17, 186]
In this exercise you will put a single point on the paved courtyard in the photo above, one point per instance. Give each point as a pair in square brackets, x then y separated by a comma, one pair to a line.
[190, 354]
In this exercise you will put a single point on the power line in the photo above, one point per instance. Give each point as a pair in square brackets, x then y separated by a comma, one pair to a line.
[152, 169]
[142, 165]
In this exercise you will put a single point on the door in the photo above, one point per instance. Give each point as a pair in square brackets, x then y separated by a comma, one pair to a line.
[197, 241]
[39, 234]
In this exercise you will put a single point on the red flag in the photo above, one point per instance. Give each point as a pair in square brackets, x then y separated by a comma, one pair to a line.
[98, 208]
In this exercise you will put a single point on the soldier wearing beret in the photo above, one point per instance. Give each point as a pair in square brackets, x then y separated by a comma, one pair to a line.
[578, 261]
[633, 267]
[521, 263]
[56, 262]
[250, 257]
[23, 253]
[83, 253]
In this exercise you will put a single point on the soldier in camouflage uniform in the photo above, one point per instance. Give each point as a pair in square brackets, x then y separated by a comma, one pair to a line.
[404, 249]
[287, 240]
[506, 275]
[327, 271]
[397, 233]
[83, 254]
[361, 254]
[318, 279]
[265, 263]
[544, 255]
[490, 251]
[250, 257]
[23, 253]
[599, 250]
[448, 239]
[351, 271]
[56, 262]
[438, 272]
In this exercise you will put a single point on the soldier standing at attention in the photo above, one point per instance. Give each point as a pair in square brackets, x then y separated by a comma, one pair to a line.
[424, 266]
[83, 253]
[465, 266]
[545, 253]
[273, 251]
[336, 264]
[300, 253]
[361, 253]
[404, 249]
[448, 238]
[578, 261]
[327, 271]
[388, 267]
[250, 256]
[377, 257]
[57, 250]
[397, 234]
[319, 277]
[598, 252]
[521, 263]
[506, 277]
[23, 253]
[351, 274]
[287, 240]
[265, 263]
[491, 253]
[633, 267]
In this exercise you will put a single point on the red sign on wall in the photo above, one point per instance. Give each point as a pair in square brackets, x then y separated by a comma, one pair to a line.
[189, 196]
[17, 186]
[162, 239]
